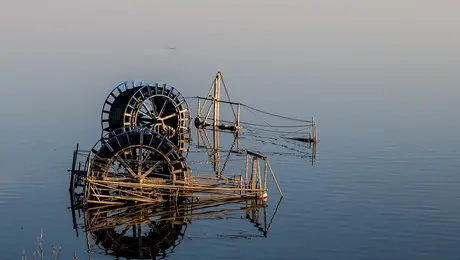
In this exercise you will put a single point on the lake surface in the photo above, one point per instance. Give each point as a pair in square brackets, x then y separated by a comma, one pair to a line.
[381, 79]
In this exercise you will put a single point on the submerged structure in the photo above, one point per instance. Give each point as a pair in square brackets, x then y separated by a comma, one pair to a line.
[147, 173]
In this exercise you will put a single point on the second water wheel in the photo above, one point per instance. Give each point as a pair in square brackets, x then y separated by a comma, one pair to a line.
[137, 154]
[131, 156]
[157, 106]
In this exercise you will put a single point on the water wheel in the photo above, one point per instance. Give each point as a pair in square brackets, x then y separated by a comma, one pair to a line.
[159, 107]
[137, 154]
[133, 156]
[163, 109]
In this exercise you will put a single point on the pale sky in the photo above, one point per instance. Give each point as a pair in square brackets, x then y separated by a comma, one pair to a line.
[324, 51]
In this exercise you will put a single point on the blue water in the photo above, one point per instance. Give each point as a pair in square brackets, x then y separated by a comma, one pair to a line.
[381, 80]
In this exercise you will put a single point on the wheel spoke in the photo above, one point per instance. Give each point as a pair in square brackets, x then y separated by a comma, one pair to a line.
[163, 108]
[148, 111]
[154, 107]
[139, 161]
[126, 165]
[151, 169]
[146, 156]
[144, 114]
[168, 117]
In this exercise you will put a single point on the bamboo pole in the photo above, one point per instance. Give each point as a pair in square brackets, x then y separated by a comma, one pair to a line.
[72, 175]
[216, 142]
[198, 117]
[238, 116]
[216, 151]
[206, 99]
[207, 113]
[237, 135]
[241, 183]
[259, 174]
[166, 186]
[253, 176]
[99, 221]
[216, 99]
[247, 170]
[274, 178]
[265, 175]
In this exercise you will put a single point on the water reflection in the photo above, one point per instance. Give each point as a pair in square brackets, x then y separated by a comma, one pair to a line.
[151, 230]
[136, 232]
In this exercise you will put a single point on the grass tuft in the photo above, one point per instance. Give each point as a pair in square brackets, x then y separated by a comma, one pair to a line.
[39, 254]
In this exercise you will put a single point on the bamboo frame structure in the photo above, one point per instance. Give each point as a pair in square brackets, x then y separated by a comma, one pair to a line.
[111, 189]
[201, 120]
[214, 100]
[116, 191]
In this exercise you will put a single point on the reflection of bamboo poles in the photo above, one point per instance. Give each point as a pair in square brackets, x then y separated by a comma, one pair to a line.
[110, 217]
[106, 217]
[214, 150]
[313, 154]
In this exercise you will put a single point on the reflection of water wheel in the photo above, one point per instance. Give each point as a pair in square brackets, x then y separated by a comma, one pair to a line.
[143, 233]
[159, 107]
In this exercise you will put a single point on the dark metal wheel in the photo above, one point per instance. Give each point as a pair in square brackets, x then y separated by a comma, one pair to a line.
[137, 154]
[159, 107]
[163, 109]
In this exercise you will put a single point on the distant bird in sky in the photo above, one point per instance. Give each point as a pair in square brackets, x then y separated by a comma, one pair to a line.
[169, 47]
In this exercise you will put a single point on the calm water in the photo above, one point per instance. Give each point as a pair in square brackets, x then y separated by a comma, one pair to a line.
[381, 79]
